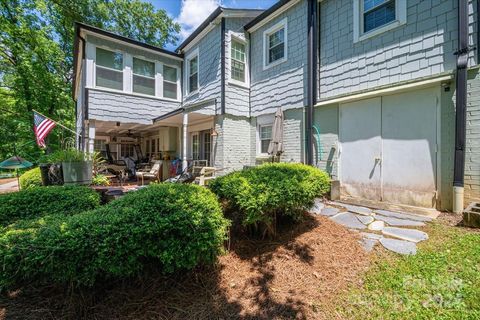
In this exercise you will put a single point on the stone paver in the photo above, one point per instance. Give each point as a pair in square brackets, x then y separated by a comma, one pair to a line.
[371, 235]
[399, 222]
[376, 226]
[348, 220]
[405, 234]
[360, 210]
[401, 215]
[399, 246]
[368, 244]
[366, 220]
[329, 211]
[317, 206]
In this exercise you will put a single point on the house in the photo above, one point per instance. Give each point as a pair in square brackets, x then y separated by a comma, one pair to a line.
[368, 90]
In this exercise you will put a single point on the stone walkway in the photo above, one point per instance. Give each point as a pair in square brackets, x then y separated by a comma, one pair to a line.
[9, 187]
[393, 230]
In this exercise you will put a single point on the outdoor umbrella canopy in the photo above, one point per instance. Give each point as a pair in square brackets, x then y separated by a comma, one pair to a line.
[16, 163]
[275, 147]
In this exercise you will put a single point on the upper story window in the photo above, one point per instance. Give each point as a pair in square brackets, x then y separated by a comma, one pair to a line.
[238, 61]
[192, 72]
[169, 82]
[275, 44]
[109, 69]
[372, 17]
[143, 76]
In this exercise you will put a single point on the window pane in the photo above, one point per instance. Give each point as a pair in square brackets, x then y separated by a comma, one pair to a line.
[109, 59]
[144, 85]
[276, 38]
[109, 78]
[276, 53]
[369, 4]
[170, 90]
[193, 85]
[266, 132]
[238, 51]
[238, 71]
[195, 147]
[264, 146]
[143, 68]
[193, 65]
[379, 16]
[169, 74]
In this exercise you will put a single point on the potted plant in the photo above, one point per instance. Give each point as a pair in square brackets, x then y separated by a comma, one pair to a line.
[51, 170]
[76, 166]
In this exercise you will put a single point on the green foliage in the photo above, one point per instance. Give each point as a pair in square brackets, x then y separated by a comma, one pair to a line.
[38, 202]
[67, 155]
[31, 179]
[442, 281]
[100, 180]
[167, 226]
[260, 192]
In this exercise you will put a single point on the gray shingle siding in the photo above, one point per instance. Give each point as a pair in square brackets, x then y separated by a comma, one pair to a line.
[108, 106]
[326, 150]
[283, 85]
[472, 156]
[422, 47]
[209, 68]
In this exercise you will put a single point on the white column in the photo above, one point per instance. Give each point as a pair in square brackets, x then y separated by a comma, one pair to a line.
[128, 73]
[91, 136]
[184, 142]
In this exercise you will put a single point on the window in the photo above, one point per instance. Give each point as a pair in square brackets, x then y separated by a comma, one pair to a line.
[238, 61]
[192, 69]
[169, 82]
[143, 76]
[126, 150]
[195, 147]
[109, 69]
[372, 17]
[207, 145]
[275, 40]
[265, 134]
[377, 13]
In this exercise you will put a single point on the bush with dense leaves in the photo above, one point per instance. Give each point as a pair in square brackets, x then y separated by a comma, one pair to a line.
[38, 202]
[167, 226]
[259, 193]
[31, 179]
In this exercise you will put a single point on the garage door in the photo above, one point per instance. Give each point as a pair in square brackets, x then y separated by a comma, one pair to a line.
[388, 148]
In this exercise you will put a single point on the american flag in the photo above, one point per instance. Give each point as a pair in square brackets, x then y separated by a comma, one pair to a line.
[42, 126]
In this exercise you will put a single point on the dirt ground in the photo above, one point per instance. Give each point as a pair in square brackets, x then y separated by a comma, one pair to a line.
[295, 276]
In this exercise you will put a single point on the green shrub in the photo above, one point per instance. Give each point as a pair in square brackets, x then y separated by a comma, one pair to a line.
[100, 180]
[167, 226]
[37, 202]
[30, 179]
[277, 188]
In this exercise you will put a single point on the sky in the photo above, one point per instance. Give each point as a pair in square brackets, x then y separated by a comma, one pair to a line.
[191, 13]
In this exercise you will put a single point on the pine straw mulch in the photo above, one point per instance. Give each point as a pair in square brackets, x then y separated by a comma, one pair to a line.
[298, 275]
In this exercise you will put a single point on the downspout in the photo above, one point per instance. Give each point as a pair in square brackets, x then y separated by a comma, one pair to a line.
[461, 105]
[311, 78]
[222, 66]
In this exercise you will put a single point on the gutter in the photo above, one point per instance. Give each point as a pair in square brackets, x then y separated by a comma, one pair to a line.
[168, 114]
[311, 78]
[461, 106]
[222, 66]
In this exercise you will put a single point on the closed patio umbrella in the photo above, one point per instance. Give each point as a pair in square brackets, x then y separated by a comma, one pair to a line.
[16, 163]
[276, 144]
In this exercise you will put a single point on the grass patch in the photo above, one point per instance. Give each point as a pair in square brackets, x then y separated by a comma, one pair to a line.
[441, 282]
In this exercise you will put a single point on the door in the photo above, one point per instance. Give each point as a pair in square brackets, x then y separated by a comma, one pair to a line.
[409, 133]
[360, 148]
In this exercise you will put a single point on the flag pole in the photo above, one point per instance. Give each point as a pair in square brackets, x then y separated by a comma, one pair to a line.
[57, 123]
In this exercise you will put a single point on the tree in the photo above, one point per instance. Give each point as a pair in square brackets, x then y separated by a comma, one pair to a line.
[36, 57]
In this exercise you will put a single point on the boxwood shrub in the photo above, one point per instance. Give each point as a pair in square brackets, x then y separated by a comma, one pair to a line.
[259, 193]
[37, 202]
[31, 179]
[167, 226]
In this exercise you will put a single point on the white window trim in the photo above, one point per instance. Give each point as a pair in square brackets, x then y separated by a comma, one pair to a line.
[359, 35]
[193, 54]
[246, 84]
[155, 77]
[107, 68]
[259, 141]
[282, 24]
[161, 79]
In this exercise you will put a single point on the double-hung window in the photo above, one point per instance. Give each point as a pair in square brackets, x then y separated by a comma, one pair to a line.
[238, 60]
[265, 135]
[143, 76]
[109, 69]
[372, 17]
[275, 44]
[169, 82]
[192, 73]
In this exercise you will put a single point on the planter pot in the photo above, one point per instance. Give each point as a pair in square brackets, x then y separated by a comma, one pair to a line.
[52, 174]
[77, 172]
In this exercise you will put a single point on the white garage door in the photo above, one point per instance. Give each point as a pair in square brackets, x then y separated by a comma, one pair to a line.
[388, 148]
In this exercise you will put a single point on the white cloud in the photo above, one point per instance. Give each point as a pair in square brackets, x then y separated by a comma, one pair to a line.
[193, 13]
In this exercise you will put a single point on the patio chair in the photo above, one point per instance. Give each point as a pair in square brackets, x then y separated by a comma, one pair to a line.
[205, 175]
[153, 173]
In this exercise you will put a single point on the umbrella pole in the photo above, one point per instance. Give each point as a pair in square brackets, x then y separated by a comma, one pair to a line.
[18, 179]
